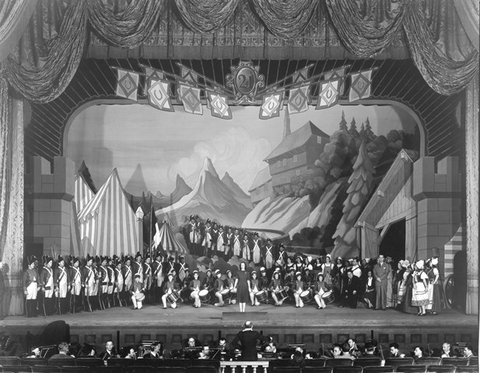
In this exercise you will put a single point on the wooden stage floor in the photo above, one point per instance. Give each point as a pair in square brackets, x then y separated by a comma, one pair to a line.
[286, 324]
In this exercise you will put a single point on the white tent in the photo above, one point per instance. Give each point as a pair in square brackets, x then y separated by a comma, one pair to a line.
[166, 240]
[107, 223]
[83, 193]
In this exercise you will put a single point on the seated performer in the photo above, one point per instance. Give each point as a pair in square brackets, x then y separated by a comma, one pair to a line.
[137, 293]
[195, 288]
[219, 287]
[278, 290]
[231, 286]
[208, 283]
[319, 288]
[298, 287]
[254, 288]
[170, 287]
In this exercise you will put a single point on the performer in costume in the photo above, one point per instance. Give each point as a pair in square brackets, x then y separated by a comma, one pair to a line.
[319, 289]
[138, 295]
[207, 239]
[268, 254]
[119, 283]
[169, 288]
[253, 288]
[185, 285]
[369, 293]
[128, 278]
[195, 287]
[221, 242]
[31, 286]
[263, 279]
[281, 259]
[89, 283]
[158, 276]
[47, 281]
[208, 283]
[298, 287]
[219, 286]
[213, 247]
[229, 242]
[62, 283]
[147, 278]
[256, 245]
[246, 254]
[111, 282]
[276, 288]
[434, 300]
[137, 267]
[380, 273]
[237, 244]
[104, 279]
[193, 235]
[241, 284]
[231, 286]
[76, 277]
[420, 290]
[181, 267]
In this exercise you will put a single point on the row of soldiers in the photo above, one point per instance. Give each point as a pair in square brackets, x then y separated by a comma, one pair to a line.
[76, 284]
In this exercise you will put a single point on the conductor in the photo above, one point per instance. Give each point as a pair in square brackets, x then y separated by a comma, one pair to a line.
[246, 340]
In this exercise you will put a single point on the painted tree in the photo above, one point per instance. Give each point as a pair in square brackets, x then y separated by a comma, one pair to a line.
[368, 131]
[343, 123]
[353, 128]
[360, 183]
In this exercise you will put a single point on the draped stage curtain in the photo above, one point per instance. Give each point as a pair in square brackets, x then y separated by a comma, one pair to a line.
[41, 63]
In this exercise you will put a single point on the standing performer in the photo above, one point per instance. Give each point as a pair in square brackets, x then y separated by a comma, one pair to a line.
[369, 293]
[193, 235]
[298, 287]
[319, 288]
[246, 254]
[119, 282]
[420, 291]
[221, 242]
[281, 259]
[137, 266]
[128, 278]
[195, 285]
[207, 239]
[219, 287]
[76, 285]
[103, 279]
[256, 249]
[181, 267]
[237, 245]
[268, 255]
[241, 284]
[229, 242]
[62, 283]
[47, 281]
[89, 282]
[390, 300]
[327, 269]
[30, 286]
[147, 278]
[111, 281]
[158, 276]
[213, 247]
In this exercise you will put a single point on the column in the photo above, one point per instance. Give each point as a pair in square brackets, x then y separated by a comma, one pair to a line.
[472, 165]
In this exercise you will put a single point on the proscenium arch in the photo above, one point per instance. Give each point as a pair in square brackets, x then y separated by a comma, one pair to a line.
[118, 101]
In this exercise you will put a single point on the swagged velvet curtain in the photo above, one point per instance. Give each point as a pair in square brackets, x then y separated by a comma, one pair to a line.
[46, 48]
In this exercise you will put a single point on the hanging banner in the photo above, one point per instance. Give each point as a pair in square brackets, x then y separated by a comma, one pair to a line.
[218, 105]
[328, 95]
[337, 74]
[271, 106]
[188, 75]
[152, 75]
[127, 84]
[360, 86]
[298, 100]
[301, 75]
[190, 98]
[158, 96]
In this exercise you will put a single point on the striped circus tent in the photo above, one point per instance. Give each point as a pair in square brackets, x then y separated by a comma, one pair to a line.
[165, 238]
[107, 223]
[83, 193]
[451, 248]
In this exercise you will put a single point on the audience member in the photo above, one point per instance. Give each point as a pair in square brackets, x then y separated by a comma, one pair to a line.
[109, 352]
[63, 349]
[395, 350]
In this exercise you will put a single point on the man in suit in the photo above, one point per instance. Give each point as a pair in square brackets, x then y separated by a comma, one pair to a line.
[380, 273]
[246, 340]
[351, 291]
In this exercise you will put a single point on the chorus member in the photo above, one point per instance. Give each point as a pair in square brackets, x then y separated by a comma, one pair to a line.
[148, 277]
[137, 266]
[47, 281]
[169, 288]
[88, 283]
[308, 277]
[246, 341]
[119, 282]
[208, 283]
[420, 290]
[337, 273]
[62, 283]
[128, 278]
[109, 352]
[369, 293]
[246, 253]
[104, 280]
[268, 254]
[76, 282]
[181, 267]
[219, 286]
[207, 239]
[326, 269]
[137, 291]
[277, 288]
[281, 258]
[237, 243]
[253, 288]
[195, 287]
[319, 289]
[30, 286]
[397, 281]
[298, 287]
[434, 300]
[256, 250]
[185, 286]
[241, 284]
[221, 242]
[157, 276]
[111, 281]
[390, 279]
[263, 279]
[156, 351]
[380, 273]
[229, 243]
[169, 266]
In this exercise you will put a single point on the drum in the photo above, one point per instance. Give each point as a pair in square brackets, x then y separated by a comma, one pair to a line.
[204, 295]
[261, 296]
[139, 297]
[233, 294]
[306, 296]
[328, 296]
[225, 294]
[173, 297]
[282, 294]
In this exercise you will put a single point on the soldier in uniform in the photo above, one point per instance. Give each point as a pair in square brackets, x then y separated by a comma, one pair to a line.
[89, 283]
[221, 242]
[236, 244]
[147, 278]
[128, 278]
[180, 268]
[138, 266]
[119, 283]
[111, 282]
[255, 248]
[246, 253]
[48, 287]
[104, 279]
[158, 276]
[62, 285]
[207, 239]
[31, 286]
[76, 282]
[268, 255]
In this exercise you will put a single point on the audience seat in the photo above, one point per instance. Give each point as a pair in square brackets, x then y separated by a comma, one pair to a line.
[287, 370]
[168, 369]
[428, 361]
[412, 368]
[62, 362]
[397, 361]
[141, 369]
[313, 369]
[46, 369]
[10, 360]
[473, 360]
[377, 369]
[315, 362]
[467, 369]
[16, 368]
[457, 361]
[90, 362]
[441, 368]
[33, 361]
[338, 362]
[108, 369]
[202, 369]
[77, 369]
[347, 369]
[368, 361]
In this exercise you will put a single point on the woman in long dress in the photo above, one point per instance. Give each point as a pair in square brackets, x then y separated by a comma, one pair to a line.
[420, 291]
[434, 300]
[241, 284]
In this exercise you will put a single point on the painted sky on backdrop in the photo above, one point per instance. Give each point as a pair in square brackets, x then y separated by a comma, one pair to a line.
[150, 147]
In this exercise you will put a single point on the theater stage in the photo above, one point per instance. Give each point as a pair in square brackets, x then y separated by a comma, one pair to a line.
[286, 324]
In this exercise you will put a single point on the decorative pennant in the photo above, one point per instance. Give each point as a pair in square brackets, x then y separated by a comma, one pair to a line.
[337, 74]
[271, 106]
[158, 96]
[301, 75]
[218, 105]
[190, 98]
[328, 95]
[188, 75]
[127, 84]
[152, 75]
[360, 86]
[298, 100]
